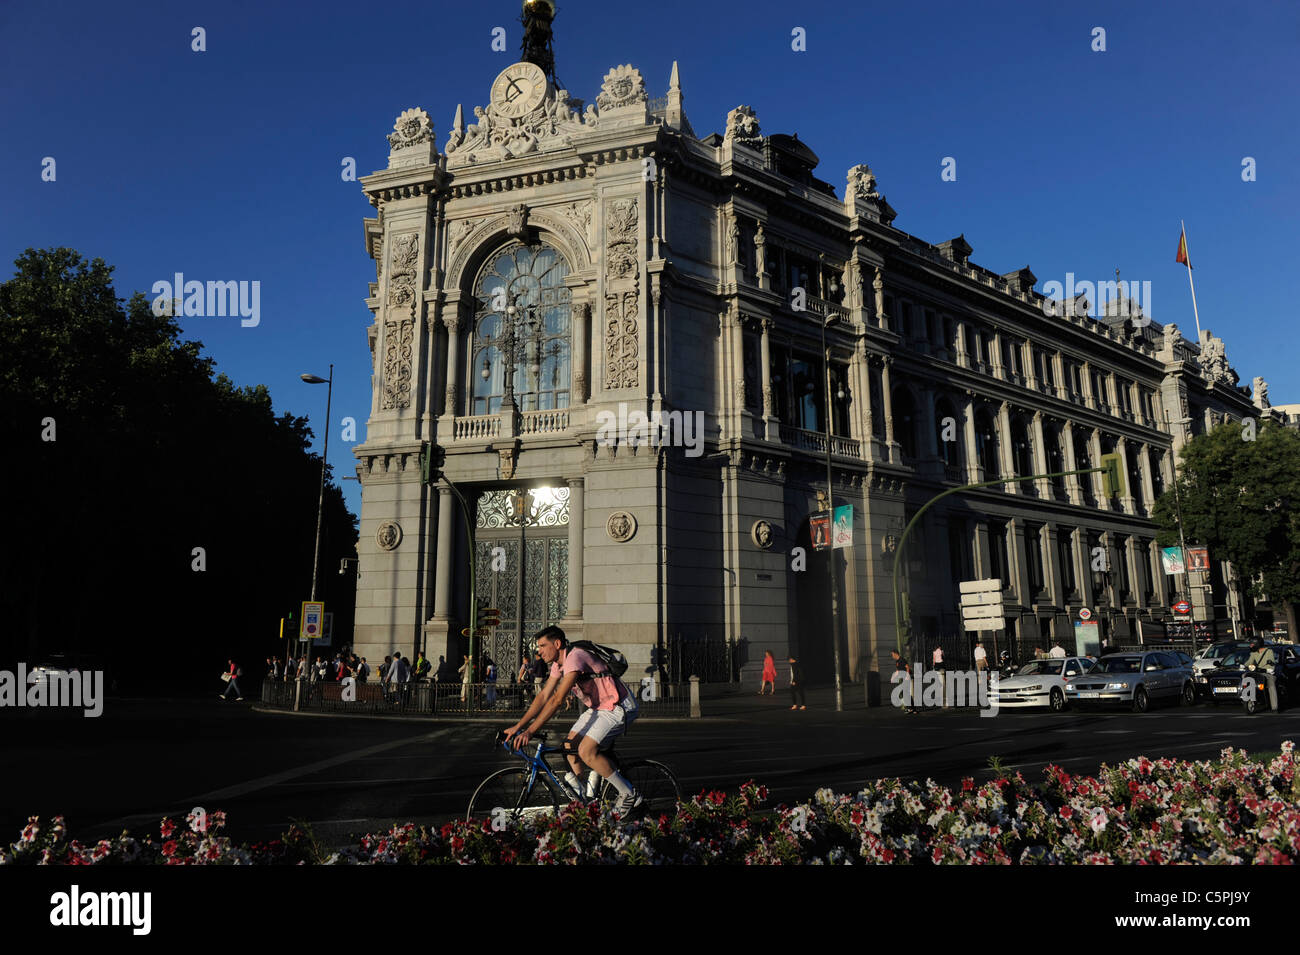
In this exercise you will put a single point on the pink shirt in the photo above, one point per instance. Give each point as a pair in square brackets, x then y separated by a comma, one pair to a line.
[601, 693]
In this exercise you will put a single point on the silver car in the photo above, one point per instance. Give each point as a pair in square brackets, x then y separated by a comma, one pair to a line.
[1039, 683]
[1134, 678]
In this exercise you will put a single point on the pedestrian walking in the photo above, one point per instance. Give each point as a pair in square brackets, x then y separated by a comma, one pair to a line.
[903, 674]
[981, 657]
[797, 699]
[936, 663]
[363, 671]
[490, 678]
[1058, 651]
[232, 683]
[769, 673]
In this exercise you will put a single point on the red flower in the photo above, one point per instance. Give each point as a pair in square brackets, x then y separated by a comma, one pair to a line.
[967, 784]
[169, 847]
[168, 827]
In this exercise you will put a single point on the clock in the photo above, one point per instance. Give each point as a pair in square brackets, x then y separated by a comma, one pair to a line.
[518, 90]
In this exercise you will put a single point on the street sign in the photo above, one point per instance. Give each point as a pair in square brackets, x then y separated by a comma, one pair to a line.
[981, 625]
[480, 632]
[976, 600]
[312, 621]
[1182, 607]
[982, 612]
[980, 586]
[1085, 613]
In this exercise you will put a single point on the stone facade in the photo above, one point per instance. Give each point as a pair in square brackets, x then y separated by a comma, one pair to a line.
[641, 266]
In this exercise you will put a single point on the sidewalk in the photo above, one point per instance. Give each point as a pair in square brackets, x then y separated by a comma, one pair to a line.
[731, 701]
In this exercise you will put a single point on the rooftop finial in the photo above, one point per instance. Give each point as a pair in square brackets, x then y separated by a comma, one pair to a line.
[536, 47]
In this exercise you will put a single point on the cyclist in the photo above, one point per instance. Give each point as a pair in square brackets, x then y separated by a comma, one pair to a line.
[610, 708]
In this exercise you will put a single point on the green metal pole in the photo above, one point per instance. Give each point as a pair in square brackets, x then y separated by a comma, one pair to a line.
[902, 543]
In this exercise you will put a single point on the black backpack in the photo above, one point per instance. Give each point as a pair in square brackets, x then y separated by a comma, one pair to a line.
[612, 658]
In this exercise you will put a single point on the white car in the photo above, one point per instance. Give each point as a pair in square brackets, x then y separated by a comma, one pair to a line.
[1040, 683]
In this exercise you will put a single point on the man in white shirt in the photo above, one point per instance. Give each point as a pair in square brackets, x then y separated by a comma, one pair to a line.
[981, 657]
[1058, 651]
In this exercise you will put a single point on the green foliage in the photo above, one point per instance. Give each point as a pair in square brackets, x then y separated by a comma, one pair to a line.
[153, 457]
[1240, 498]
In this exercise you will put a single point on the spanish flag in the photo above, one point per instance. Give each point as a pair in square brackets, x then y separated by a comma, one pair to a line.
[1182, 251]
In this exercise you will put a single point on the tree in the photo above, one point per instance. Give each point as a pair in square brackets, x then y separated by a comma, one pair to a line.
[1239, 498]
[152, 457]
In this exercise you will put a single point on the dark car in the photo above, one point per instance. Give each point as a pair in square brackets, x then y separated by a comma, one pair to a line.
[1225, 680]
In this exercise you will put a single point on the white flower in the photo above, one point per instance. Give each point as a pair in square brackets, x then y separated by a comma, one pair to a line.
[1098, 820]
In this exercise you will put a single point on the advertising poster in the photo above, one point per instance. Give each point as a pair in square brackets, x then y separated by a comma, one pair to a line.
[843, 526]
[819, 529]
[1171, 558]
[1198, 558]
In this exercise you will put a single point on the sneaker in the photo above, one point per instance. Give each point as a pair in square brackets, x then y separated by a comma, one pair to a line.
[239, 699]
[625, 804]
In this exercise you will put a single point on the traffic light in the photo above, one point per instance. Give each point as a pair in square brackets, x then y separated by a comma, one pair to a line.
[1112, 476]
[432, 458]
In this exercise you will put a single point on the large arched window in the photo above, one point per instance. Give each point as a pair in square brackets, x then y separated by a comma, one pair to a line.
[522, 319]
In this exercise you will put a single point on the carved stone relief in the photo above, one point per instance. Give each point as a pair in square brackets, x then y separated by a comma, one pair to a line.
[622, 295]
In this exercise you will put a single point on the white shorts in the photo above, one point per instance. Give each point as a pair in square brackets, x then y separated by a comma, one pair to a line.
[601, 725]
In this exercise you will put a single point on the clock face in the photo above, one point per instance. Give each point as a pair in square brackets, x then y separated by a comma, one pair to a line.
[519, 89]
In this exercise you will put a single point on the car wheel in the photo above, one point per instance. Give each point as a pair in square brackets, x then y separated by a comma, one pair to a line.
[1189, 694]
[1252, 706]
[1057, 699]
[1141, 702]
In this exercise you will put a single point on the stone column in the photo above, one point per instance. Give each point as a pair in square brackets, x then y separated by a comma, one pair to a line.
[1112, 569]
[737, 355]
[963, 352]
[868, 426]
[1094, 445]
[1004, 448]
[1083, 567]
[1148, 486]
[445, 575]
[581, 336]
[1134, 578]
[1126, 500]
[576, 527]
[1073, 489]
[1085, 382]
[889, 410]
[1058, 374]
[861, 385]
[1040, 458]
[929, 445]
[1019, 560]
[983, 557]
[1052, 566]
[973, 471]
[995, 357]
[453, 320]
[765, 361]
[1158, 576]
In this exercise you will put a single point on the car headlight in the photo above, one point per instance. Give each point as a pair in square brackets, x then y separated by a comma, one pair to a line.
[1031, 688]
[1117, 686]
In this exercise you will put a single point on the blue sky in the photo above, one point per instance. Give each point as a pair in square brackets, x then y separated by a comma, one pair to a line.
[226, 164]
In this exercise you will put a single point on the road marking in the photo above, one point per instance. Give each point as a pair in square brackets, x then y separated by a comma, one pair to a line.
[253, 785]
[1113, 732]
[1174, 733]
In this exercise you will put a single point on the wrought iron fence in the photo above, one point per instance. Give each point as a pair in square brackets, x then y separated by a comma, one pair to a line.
[712, 659]
[507, 700]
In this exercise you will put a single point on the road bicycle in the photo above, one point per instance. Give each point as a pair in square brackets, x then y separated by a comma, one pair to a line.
[536, 788]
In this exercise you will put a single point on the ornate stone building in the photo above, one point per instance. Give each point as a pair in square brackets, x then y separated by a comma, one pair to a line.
[552, 263]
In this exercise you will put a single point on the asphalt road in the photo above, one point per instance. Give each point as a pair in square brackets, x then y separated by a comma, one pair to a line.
[347, 775]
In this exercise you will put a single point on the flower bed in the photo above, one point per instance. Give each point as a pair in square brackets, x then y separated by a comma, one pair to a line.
[1231, 810]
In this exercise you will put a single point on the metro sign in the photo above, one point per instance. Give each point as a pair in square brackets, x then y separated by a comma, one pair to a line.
[1182, 607]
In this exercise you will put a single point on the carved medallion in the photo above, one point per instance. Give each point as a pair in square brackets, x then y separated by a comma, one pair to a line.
[762, 535]
[621, 526]
[389, 535]
[412, 128]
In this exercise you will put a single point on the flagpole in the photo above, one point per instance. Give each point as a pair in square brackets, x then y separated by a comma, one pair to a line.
[1195, 311]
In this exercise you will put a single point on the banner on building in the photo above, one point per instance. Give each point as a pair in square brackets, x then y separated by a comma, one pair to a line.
[843, 530]
[819, 530]
[1171, 558]
[1198, 558]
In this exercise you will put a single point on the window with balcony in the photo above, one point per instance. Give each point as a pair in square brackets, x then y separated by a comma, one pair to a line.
[521, 331]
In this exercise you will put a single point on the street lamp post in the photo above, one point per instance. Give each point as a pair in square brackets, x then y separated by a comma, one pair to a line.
[830, 521]
[320, 500]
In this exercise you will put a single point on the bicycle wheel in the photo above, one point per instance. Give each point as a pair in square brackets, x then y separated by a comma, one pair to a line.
[653, 780]
[509, 790]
